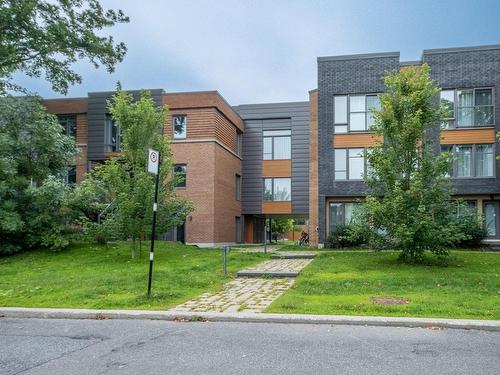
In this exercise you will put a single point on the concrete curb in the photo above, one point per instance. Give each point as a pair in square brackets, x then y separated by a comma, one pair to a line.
[50, 313]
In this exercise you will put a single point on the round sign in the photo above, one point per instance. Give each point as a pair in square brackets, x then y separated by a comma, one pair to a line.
[154, 157]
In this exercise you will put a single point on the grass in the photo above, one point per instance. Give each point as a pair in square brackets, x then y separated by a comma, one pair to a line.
[93, 276]
[344, 282]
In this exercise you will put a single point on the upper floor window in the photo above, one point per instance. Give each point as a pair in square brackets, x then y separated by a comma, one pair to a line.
[472, 160]
[68, 122]
[354, 112]
[277, 144]
[179, 127]
[238, 187]
[239, 144]
[180, 172]
[349, 164]
[111, 135]
[468, 108]
[277, 189]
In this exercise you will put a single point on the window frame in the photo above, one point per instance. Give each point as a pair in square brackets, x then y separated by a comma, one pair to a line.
[184, 165]
[347, 124]
[343, 203]
[273, 179]
[174, 137]
[347, 169]
[237, 187]
[452, 122]
[63, 121]
[109, 123]
[454, 167]
[272, 137]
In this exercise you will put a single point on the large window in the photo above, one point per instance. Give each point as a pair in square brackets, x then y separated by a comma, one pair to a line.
[468, 108]
[111, 135]
[349, 164]
[68, 122]
[277, 144]
[472, 160]
[277, 189]
[179, 127]
[341, 213]
[180, 172]
[354, 112]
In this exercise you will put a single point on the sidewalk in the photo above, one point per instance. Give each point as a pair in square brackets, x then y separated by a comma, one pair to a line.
[433, 323]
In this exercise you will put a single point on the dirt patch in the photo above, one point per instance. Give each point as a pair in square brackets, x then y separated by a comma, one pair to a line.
[390, 300]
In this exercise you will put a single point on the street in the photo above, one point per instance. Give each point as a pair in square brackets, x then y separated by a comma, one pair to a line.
[57, 346]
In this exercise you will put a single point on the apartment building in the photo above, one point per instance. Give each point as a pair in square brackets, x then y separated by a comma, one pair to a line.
[304, 160]
[348, 87]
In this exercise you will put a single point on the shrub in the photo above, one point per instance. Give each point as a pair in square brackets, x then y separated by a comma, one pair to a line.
[346, 236]
[472, 230]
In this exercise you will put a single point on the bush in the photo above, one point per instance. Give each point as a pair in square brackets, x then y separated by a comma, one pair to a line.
[472, 230]
[347, 236]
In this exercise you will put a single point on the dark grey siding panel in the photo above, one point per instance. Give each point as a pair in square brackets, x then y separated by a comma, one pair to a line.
[470, 68]
[338, 76]
[96, 116]
[259, 117]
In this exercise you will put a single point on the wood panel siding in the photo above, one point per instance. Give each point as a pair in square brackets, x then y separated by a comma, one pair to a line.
[276, 207]
[200, 122]
[276, 168]
[248, 228]
[467, 136]
[225, 131]
[356, 140]
[206, 99]
[66, 106]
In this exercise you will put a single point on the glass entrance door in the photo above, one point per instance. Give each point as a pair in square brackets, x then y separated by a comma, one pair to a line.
[492, 219]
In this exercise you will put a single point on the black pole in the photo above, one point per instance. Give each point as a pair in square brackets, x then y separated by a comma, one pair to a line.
[153, 228]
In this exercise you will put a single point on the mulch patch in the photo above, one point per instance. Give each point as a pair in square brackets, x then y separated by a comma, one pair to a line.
[390, 300]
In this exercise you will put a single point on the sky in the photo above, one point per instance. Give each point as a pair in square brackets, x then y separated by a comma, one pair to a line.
[266, 51]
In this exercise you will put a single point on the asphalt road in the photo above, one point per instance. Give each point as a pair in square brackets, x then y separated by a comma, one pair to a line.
[38, 346]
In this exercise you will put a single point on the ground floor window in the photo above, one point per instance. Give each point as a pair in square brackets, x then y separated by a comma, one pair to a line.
[341, 213]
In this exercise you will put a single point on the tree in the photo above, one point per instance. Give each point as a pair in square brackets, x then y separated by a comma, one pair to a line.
[34, 154]
[409, 205]
[39, 36]
[124, 184]
[281, 226]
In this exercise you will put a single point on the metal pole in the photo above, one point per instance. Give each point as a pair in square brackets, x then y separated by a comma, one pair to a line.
[225, 248]
[153, 228]
[265, 236]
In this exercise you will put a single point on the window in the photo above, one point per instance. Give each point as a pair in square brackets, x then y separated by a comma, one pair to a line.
[466, 208]
[68, 122]
[238, 187]
[277, 189]
[360, 116]
[349, 164]
[277, 144]
[471, 160]
[468, 107]
[70, 176]
[180, 172]
[239, 138]
[111, 135]
[342, 213]
[179, 127]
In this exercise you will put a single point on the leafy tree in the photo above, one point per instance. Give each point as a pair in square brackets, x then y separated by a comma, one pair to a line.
[34, 153]
[281, 226]
[409, 206]
[123, 184]
[39, 36]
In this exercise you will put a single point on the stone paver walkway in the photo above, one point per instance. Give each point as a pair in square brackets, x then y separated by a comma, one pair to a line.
[240, 295]
[248, 294]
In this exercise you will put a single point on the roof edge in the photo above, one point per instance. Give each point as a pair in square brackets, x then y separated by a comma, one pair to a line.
[359, 56]
[486, 47]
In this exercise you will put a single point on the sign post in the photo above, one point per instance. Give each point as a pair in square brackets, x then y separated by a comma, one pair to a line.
[153, 167]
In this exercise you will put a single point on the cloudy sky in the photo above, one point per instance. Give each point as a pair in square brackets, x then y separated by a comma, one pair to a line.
[265, 51]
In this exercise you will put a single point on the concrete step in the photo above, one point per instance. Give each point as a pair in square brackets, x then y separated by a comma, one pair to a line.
[293, 255]
[260, 273]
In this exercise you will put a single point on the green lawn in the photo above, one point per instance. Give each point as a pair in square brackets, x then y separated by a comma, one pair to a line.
[344, 282]
[92, 276]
